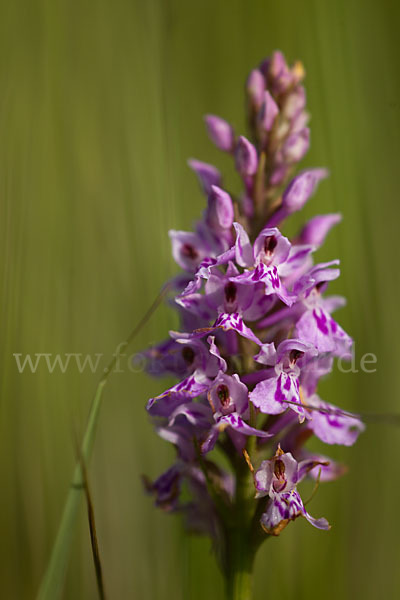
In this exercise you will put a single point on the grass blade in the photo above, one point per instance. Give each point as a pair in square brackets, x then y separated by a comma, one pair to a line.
[52, 583]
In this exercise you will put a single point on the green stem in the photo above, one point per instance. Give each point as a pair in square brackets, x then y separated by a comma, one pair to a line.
[239, 577]
[240, 550]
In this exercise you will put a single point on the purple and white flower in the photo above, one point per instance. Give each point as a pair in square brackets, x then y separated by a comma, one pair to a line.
[281, 390]
[278, 479]
[229, 399]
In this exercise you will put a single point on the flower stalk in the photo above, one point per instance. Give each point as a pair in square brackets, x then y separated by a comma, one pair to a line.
[240, 549]
[239, 576]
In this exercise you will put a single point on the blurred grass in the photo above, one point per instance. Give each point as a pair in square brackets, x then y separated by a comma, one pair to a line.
[100, 105]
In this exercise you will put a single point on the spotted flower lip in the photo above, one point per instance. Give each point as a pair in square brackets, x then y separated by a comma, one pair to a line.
[255, 332]
[269, 277]
[317, 327]
[332, 425]
[287, 507]
[224, 322]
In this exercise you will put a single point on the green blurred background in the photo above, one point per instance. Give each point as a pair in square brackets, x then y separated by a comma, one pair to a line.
[101, 103]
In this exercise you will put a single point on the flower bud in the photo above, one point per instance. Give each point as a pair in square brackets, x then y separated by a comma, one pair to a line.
[268, 112]
[220, 209]
[206, 174]
[300, 189]
[294, 103]
[315, 231]
[299, 122]
[279, 72]
[245, 157]
[296, 146]
[255, 87]
[220, 132]
[277, 64]
[278, 174]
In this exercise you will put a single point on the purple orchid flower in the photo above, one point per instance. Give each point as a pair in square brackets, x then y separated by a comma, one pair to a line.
[282, 390]
[316, 325]
[167, 488]
[187, 428]
[278, 478]
[181, 357]
[205, 364]
[190, 387]
[188, 249]
[229, 399]
[274, 259]
[224, 294]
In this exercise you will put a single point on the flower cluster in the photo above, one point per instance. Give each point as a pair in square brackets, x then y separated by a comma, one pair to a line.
[256, 332]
